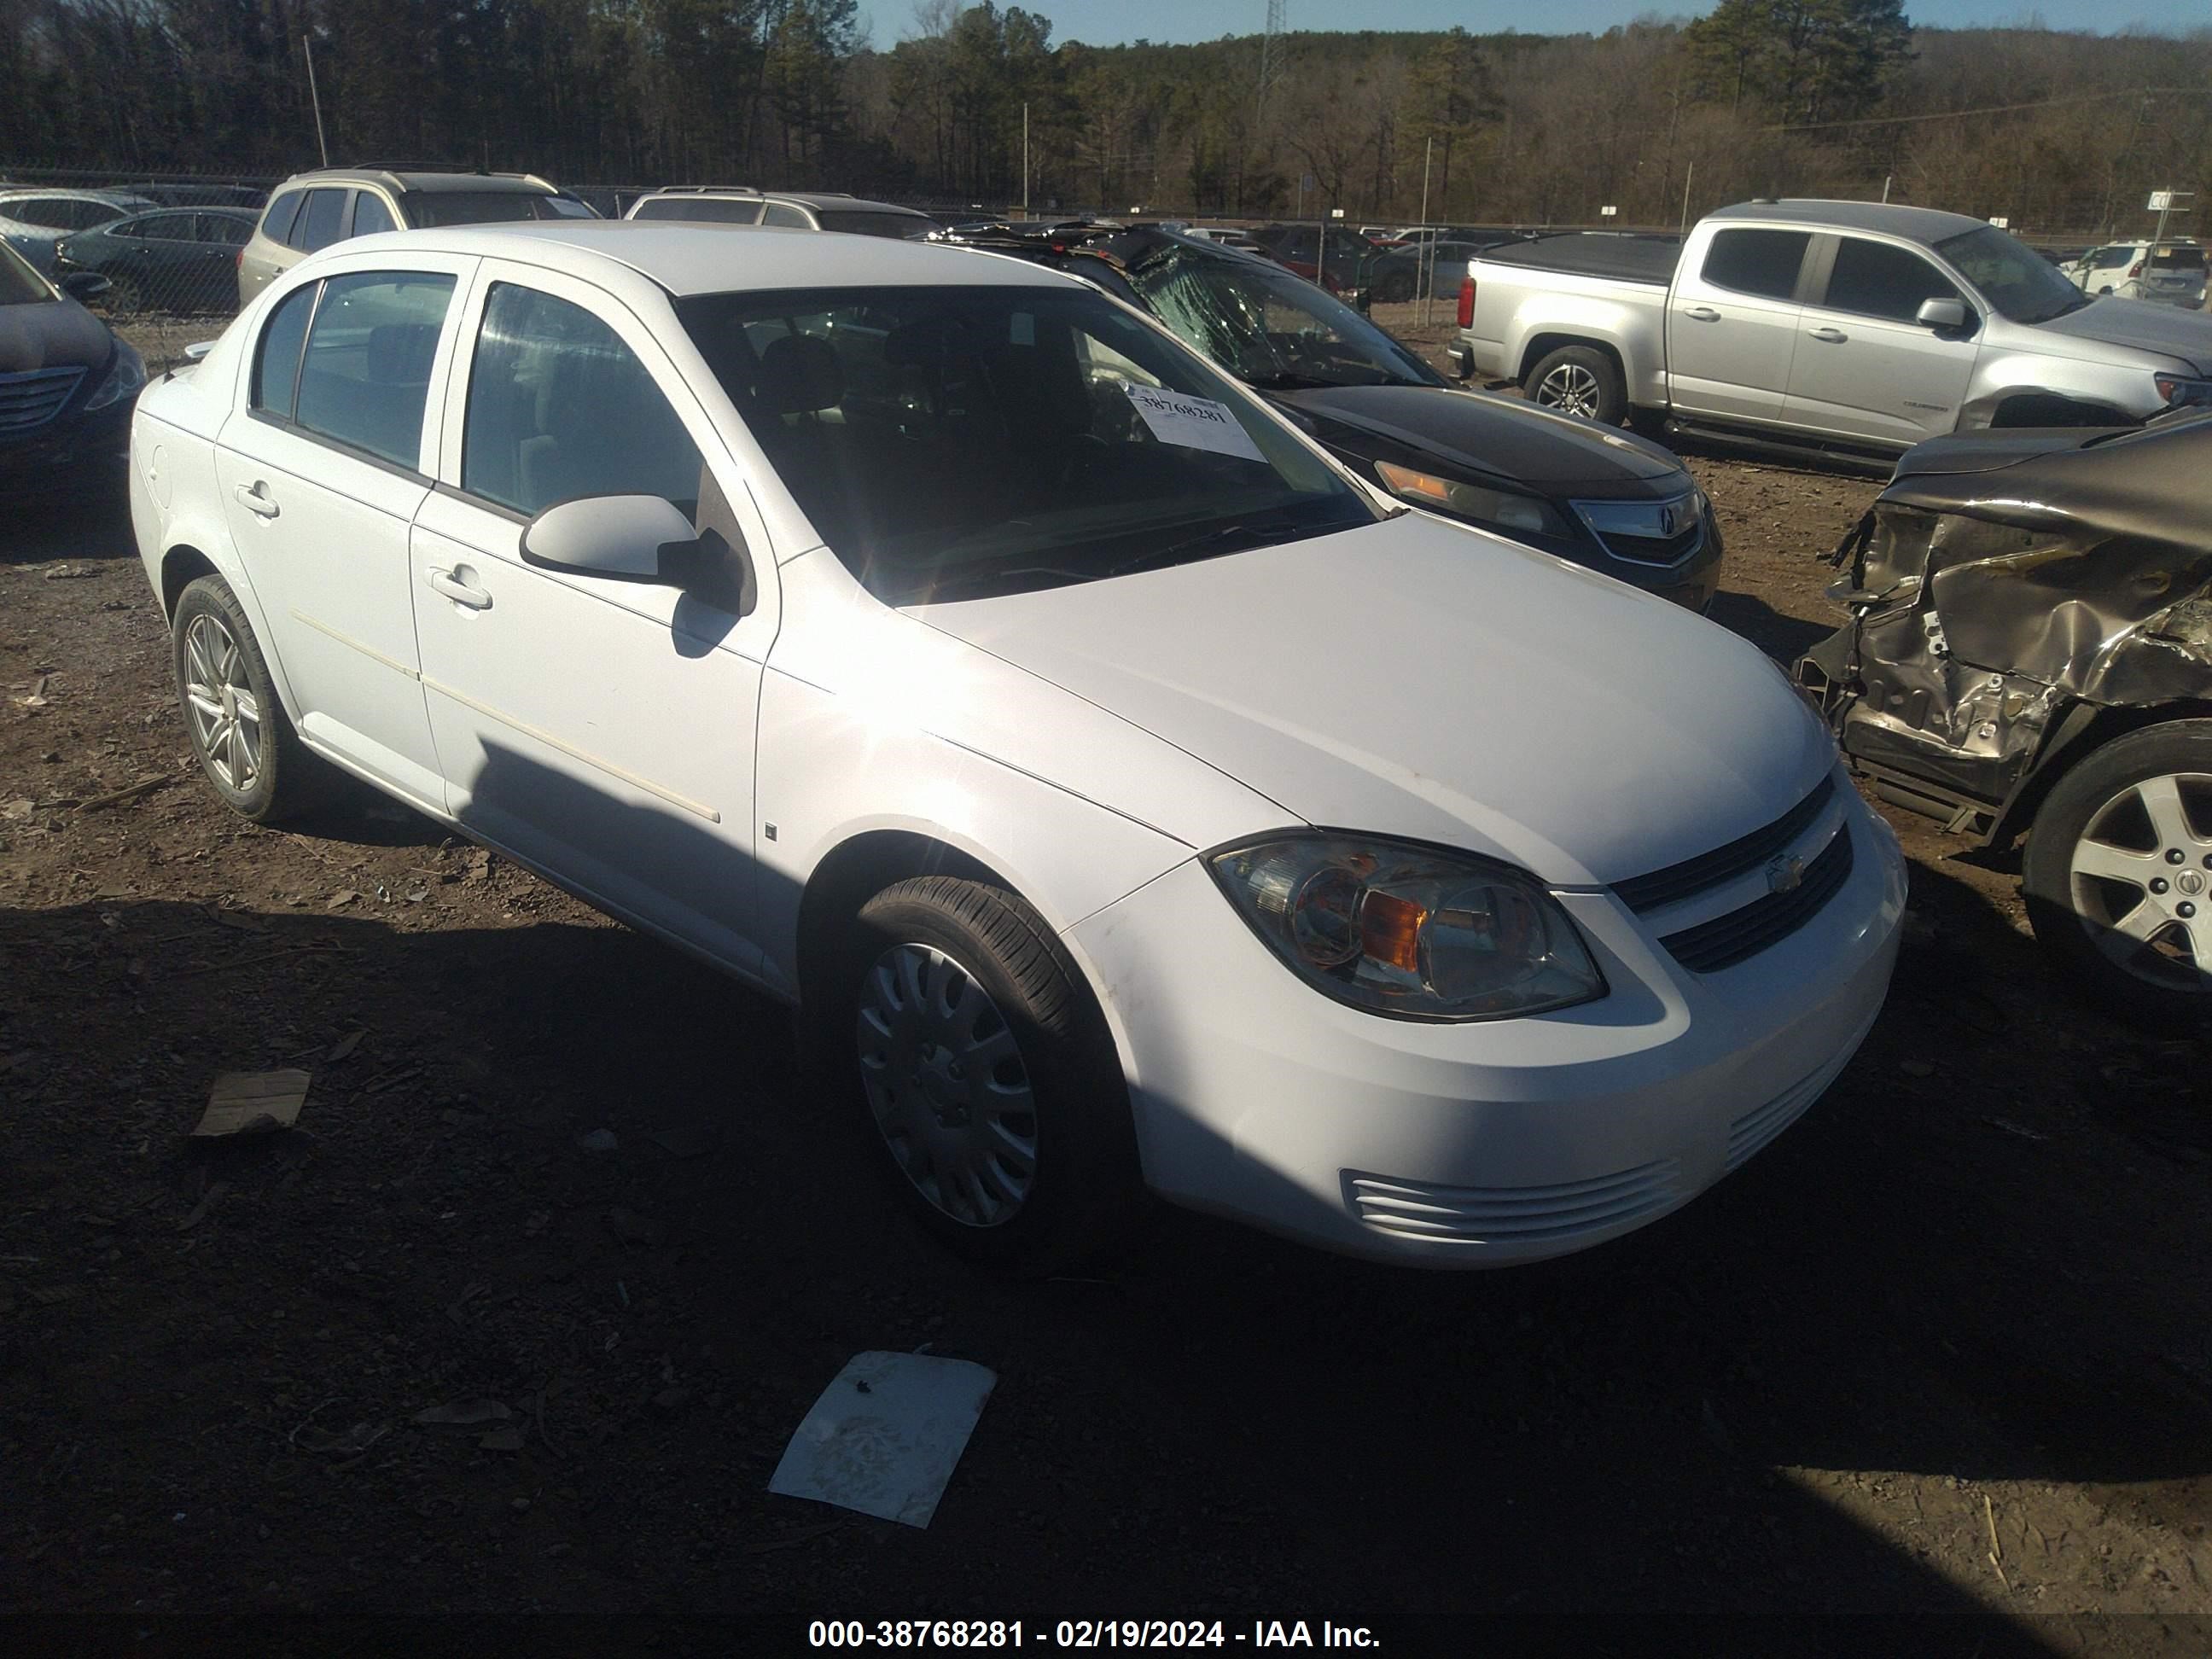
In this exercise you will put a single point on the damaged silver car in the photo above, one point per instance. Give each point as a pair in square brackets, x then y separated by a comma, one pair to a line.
[2030, 653]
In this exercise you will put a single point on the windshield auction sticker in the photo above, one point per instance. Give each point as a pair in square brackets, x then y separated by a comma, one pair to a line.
[1193, 422]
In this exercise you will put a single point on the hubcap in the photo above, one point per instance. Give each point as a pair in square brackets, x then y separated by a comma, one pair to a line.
[1570, 389]
[226, 715]
[946, 1085]
[2139, 883]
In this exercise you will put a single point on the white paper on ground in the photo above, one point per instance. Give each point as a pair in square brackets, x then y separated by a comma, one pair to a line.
[886, 1435]
[1193, 422]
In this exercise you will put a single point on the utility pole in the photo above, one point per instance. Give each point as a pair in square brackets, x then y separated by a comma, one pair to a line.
[1888, 178]
[307, 45]
[1428, 243]
[1686, 178]
[1025, 161]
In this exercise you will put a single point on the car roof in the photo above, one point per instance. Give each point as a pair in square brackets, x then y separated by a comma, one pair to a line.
[693, 258]
[835, 199]
[106, 198]
[430, 182]
[1914, 224]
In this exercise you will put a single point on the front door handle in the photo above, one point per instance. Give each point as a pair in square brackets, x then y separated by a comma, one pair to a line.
[254, 498]
[1833, 336]
[450, 583]
[1702, 314]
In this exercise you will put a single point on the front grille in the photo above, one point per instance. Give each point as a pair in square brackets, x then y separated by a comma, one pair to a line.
[1646, 532]
[1514, 1215]
[30, 401]
[1726, 940]
[1692, 876]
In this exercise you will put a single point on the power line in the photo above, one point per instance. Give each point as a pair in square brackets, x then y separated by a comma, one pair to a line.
[1993, 109]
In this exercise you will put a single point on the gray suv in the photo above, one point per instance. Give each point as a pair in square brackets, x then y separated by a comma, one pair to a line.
[311, 210]
[741, 204]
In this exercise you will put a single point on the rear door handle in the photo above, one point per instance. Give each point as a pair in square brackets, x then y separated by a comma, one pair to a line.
[255, 500]
[449, 583]
[1702, 314]
[1833, 336]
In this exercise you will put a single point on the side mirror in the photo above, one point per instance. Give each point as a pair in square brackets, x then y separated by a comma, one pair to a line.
[1941, 313]
[82, 285]
[616, 537]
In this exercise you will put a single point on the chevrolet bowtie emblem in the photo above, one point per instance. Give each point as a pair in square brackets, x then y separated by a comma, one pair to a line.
[1784, 874]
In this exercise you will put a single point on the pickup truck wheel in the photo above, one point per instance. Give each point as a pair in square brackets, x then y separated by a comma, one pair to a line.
[2117, 873]
[239, 733]
[985, 1076]
[1579, 380]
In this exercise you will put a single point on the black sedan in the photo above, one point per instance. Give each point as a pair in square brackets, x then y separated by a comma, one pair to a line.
[179, 259]
[2030, 653]
[67, 383]
[1408, 272]
[1600, 497]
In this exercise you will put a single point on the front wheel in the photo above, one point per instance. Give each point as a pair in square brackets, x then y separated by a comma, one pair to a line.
[989, 1080]
[1579, 380]
[2118, 872]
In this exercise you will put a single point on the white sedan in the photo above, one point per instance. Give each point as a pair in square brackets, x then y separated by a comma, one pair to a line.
[1127, 796]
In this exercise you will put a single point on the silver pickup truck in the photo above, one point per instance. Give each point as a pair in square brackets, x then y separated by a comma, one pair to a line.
[1848, 328]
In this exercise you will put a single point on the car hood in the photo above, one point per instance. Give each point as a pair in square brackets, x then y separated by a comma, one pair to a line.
[1418, 679]
[51, 334]
[1990, 450]
[1480, 436]
[2142, 324]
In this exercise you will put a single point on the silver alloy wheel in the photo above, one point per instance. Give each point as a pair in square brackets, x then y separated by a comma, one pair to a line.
[1570, 389]
[226, 714]
[2141, 878]
[946, 1085]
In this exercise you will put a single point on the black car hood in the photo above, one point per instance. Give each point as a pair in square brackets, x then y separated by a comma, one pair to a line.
[1480, 436]
[1987, 451]
[51, 334]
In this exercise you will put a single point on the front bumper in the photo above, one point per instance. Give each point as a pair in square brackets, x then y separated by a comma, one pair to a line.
[1478, 1146]
[51, 454]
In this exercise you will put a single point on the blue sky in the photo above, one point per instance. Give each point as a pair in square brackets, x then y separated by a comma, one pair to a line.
[1106, 22]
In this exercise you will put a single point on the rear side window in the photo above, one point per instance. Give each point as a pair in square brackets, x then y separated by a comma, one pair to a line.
[160, 227]
[318, 225]
[1874, 279]
[276, 363]
[791, 218]
[370, 215]
[876, 224]
[276, 223]
[559, 408]
[1763, 263]
[231, 233]
[365, 375]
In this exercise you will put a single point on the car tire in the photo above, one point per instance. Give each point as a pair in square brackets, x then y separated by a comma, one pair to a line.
[1394, 289]
[1578, 380]
[239, 733]
[983, 1074]
[2144, 797]
[124, 298]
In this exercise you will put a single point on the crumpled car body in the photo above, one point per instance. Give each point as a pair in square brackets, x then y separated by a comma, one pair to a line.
[2017, 599]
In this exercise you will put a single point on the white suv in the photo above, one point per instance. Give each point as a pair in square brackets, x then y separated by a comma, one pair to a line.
[2171, 272]
[1128, 796]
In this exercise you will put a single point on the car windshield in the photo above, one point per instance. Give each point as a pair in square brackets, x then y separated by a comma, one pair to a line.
[20, 285]
[426, 208]
[958, 442]
[1269, 328]
[2021, 284]
[866, 223]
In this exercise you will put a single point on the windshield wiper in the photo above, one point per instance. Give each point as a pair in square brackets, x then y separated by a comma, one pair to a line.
[1259, 530]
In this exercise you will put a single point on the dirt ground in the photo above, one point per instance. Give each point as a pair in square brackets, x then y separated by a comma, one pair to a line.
[1944, 1349]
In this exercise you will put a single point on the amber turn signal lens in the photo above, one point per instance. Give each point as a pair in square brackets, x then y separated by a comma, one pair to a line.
[1390, 930]
[1404, 481]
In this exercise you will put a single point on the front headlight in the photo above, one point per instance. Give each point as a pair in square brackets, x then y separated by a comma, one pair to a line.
[125, 376]
[1409, 931]
[1499, 509]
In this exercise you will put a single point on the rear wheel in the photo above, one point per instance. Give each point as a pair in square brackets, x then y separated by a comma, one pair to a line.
[124, 297]
[988, 1080]
[2118, 872]
[1579, 380]
[239, 733]
[1394, 289]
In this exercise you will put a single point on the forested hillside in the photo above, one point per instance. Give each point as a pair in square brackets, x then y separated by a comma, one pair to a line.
[1764, 96]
